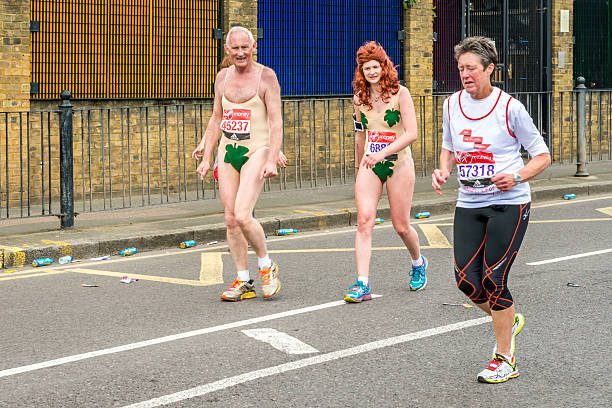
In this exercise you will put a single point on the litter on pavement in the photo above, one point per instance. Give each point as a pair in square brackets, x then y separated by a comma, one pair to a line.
[100, 258]
[457, 304]
[127, 279]
[65, 259]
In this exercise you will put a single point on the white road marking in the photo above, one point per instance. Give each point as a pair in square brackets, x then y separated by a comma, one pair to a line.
[165, 339]
[565, 258]
[280, 341]
[295, 365]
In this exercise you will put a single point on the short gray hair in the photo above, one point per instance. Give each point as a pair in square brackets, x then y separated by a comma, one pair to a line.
[239, 28]
[483, 47]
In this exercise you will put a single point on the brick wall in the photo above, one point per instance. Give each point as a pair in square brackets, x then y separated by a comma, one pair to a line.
[418, 47]
[243, 12]
[14, 55]
[562, 78]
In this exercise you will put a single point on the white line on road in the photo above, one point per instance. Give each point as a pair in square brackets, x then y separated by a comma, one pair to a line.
[165, 339]
[295, 365]
[280, 341]
[565, 258]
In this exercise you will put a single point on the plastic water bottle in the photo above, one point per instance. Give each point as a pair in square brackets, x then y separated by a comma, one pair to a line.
[286, 231]
[569, 196]
[424, 214]
[65, 259]
[42, 262]
[128, 251]
[378, 221]
[188, 244]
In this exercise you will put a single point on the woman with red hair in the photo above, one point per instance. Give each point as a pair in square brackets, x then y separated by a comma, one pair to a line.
[385, 125]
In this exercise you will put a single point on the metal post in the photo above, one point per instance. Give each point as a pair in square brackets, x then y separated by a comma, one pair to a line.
[66, 181]
[581, 170]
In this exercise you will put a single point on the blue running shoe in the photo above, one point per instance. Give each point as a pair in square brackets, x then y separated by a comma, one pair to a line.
[358, 293]
[418, 279]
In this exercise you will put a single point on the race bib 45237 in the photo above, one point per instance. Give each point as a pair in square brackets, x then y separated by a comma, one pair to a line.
[236, 124]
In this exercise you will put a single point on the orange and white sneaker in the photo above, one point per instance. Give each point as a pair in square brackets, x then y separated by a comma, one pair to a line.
[239, 290]
[271, 283]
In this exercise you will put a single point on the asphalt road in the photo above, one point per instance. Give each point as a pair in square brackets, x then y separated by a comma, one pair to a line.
[167, 338]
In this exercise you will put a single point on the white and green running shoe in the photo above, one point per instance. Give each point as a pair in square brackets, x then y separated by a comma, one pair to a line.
[499, 370]
[519, 322]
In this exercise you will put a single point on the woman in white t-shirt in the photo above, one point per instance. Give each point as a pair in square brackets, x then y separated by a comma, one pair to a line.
[484, 129]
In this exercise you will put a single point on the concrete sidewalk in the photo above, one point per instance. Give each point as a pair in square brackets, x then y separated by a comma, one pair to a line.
[165, 226]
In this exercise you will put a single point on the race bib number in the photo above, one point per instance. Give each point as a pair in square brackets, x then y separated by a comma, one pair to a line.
[236, 124]
[377, 140]
[475, 170]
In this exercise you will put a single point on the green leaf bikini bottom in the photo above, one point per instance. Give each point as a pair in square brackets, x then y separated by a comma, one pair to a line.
[235, 155]
[383, 169]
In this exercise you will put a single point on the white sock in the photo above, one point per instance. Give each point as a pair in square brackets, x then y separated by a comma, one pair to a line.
[243, 276]
[265, 262]
[363, 279]
[418, 261]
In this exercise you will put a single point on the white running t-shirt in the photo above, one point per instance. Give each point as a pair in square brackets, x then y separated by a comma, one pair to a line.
[486, 136]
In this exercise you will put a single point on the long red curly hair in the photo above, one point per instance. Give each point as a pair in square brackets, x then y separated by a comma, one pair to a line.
[389, 78]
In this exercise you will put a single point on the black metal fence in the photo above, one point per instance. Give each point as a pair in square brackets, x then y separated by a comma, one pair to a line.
[311, 45]
[593, 42]
[141, 156]
[520, 29]
[103, 49]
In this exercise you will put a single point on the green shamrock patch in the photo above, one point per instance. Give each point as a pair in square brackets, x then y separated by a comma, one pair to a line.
[364, 121]
[235, 155]
[392, 117]
[383, 169]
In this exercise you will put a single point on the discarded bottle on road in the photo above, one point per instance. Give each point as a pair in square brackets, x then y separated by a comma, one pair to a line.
[42, 262]
[424, 214]
[569, 196]
[378, 221]
[65, 259]
[286, 231]
[127, 279]
[187, 244]
[128, 251]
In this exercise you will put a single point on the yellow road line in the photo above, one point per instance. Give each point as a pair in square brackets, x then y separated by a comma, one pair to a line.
[434, 236]
[31, 275]
[16, 253]
[606, 210]
[65, 247]
[318, 214]
[211, 268]
[153, 278]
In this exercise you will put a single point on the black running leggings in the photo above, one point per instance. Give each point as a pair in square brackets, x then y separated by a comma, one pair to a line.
[486, 241]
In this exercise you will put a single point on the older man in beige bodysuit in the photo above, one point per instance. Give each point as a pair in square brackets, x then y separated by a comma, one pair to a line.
[247, 117]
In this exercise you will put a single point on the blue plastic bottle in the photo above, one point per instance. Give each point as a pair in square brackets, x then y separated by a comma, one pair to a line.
[286, 231]
[187, 244]
[128, 251]
[42, 262]
[424, 214]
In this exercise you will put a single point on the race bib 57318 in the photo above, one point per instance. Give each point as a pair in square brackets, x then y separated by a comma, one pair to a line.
[475, 170]
[236, 124]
